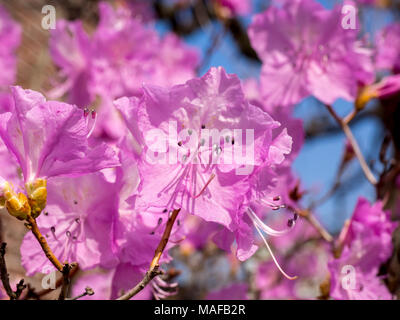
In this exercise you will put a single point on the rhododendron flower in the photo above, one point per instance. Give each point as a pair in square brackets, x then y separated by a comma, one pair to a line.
[50, 138]
[78, 224]
[306, 51]
[115, 61]
[388, 48]
[191, 173]
[366, 243]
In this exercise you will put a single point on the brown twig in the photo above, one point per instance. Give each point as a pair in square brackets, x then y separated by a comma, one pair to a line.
[347, 131]
[306, 214]
[32, 225]
[88, 292]
[5, 278]
[65, 281]
[36, 295]
[154, 270]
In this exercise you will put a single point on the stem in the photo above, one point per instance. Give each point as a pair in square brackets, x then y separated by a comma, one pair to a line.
[317, 226]
[347, 131]
[154, 270]
[66, 282]
[43, 243]
[5, 279]
[88, 292]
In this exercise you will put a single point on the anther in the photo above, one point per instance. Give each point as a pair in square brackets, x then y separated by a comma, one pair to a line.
[86, 112]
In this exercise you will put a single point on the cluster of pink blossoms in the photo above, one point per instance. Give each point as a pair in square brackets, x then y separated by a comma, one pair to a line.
[141, 136]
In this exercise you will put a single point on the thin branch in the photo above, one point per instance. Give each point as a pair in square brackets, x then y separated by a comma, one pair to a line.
[32, 225]
[306, 214]
[5, 278]
[66, 282]
[347, 131]
[88, 292]
[154, 269]
[36, 295]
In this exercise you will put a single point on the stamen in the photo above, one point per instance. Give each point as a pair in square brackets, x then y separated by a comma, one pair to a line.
[94, 117]
[205, 186]
[268, 230]
[273, 256]
[86, 112]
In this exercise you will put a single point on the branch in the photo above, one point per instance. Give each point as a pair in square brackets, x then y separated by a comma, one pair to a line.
[154, 270]
[347, 131]
[65, 281]
[36, 295]
[88, 292]
[5, 279]
[306, 214]
[32, 225]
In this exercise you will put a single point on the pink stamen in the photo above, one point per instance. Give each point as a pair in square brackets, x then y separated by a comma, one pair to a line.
[205, 186]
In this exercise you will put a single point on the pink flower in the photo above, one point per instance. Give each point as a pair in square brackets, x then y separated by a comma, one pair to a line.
[189, 172]
[306, 51]
[388, 48]
[50, 138]
[366, 285]
[366, 243]
[115, 61]
[376, 222]
[78, 224]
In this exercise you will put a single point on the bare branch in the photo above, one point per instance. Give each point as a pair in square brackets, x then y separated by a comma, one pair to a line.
[5, 278]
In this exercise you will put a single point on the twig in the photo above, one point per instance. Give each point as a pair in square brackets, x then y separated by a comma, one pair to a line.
[317, 226]
[5, 279]
[347, 131]
[36, 295]
[88, 292]
[43, 243]
[66, 282]
[154, 270]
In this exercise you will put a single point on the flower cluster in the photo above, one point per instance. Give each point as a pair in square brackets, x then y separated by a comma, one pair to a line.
[132, 159]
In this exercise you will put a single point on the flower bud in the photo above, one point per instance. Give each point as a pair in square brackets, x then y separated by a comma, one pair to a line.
[37, 196]
[17, 204]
